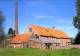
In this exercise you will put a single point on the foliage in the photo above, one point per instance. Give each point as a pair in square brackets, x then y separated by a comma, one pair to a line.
[2, 37]
[10, 32]
[76, 22]
[76, 19]
[77, 39]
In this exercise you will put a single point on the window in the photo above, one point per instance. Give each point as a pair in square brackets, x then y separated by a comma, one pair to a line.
[58, 44]
[68, 43]
[36, 36]
[48, 45]
[58, 40]
[25, 45]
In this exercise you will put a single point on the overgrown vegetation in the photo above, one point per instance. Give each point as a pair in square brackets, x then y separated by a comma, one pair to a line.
[76, 22]
[2, 36]
[10, 32]
[38, 52]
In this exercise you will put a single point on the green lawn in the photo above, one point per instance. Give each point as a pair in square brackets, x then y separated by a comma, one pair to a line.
[37, 52]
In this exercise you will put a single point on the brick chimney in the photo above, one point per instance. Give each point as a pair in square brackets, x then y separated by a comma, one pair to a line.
[16, 17]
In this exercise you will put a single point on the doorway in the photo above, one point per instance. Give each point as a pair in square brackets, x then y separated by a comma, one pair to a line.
[48, 45]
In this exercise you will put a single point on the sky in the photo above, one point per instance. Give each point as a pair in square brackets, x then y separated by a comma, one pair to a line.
[47, 13]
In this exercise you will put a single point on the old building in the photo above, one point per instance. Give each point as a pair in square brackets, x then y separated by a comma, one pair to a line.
[20, 41]
[42, 37]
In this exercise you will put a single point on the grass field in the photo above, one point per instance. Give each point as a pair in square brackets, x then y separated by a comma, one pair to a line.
[37, 52]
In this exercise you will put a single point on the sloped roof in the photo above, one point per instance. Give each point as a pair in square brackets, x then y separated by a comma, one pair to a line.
[39, 30]
[48, 31]
[23, 38]
[57, 33]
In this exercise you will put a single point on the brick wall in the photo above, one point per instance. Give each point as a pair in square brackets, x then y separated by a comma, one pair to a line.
[34, 44]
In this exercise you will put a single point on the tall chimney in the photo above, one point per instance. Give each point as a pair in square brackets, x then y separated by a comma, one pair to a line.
[16, 17]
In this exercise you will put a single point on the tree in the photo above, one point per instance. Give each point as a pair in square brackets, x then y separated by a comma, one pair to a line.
[2, 36]
[77, 39]
[10, 32]
[76, 19]
[76, 22]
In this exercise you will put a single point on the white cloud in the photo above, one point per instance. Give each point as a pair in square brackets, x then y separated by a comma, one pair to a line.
[70, 28]
[43, 17]
[64, 21]
[61, 21]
